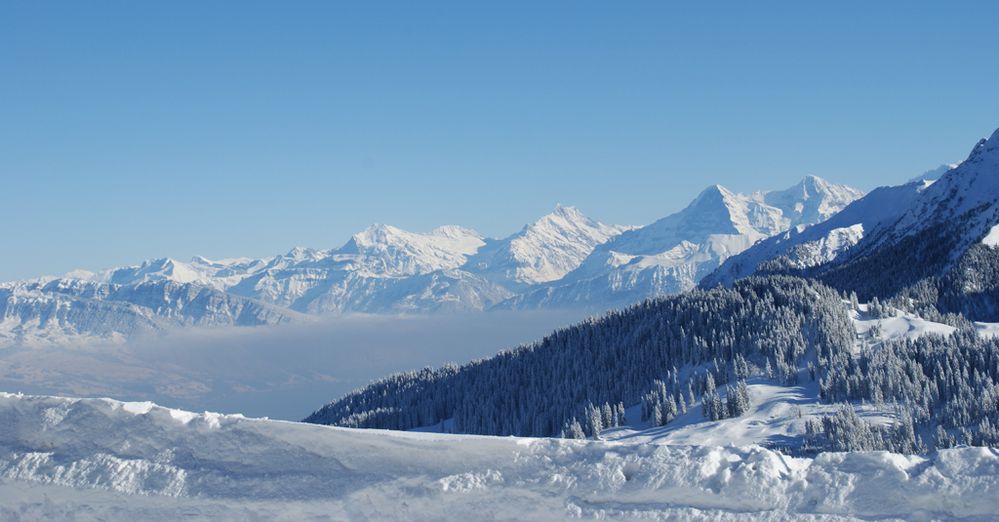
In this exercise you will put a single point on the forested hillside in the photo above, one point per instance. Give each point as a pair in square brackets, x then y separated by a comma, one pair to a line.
[580, 379]
[697, 350]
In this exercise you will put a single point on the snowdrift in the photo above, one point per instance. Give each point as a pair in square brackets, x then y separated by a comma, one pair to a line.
[99, 458]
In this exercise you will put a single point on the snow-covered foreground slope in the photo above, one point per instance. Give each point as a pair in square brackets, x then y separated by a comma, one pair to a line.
[102, 459]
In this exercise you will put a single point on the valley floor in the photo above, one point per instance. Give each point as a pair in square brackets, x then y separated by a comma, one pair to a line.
[99, 459]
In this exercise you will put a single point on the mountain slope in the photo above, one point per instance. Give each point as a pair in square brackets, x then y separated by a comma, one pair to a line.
[674, 253]
[938, 256]
[805, 246]
[541, 388]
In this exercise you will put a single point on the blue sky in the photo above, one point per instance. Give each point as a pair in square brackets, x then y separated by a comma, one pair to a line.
[137, 129]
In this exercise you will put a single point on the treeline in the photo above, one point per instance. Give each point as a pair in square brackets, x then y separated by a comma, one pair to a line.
[578, 379]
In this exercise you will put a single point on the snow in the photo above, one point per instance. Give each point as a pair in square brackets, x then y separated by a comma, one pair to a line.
[935, 173]
[808, 246]
[902, 325]
[969, 191]
[543, 251]
[382, 269]
[778, 413]
[992, 238]
[563, 260]
[674, 253]
[102, 459]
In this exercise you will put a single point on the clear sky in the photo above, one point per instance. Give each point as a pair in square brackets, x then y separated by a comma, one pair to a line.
[131, 130]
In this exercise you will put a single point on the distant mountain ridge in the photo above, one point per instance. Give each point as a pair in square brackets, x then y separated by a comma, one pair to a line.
[562, 260]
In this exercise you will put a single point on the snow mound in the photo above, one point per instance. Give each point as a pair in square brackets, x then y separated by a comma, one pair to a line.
[60, 458]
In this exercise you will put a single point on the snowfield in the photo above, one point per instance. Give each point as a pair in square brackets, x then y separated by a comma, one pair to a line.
[87, 459]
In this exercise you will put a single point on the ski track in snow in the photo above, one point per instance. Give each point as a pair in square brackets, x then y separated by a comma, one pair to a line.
[90, 459]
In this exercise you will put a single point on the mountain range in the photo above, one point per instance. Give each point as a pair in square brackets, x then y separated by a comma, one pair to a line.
[562, 260]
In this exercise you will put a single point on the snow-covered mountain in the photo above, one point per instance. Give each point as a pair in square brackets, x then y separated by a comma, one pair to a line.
[562, 260]
[674, 253]
[543, 251]
[931, 245]
[64, 310]
[804, 246]
[967, 194]
[382, 269]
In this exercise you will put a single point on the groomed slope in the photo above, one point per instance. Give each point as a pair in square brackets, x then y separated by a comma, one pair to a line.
[103, 459]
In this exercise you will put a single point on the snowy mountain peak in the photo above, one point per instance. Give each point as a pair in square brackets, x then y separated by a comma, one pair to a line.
[714, 193]
[384, 250]
[672, 254]
[544, 250]
[461, 239]
[302, 253]
[567, 211]
[162, 269]
[564, 217]
[985, 149]
[376, 233]
[811, 200]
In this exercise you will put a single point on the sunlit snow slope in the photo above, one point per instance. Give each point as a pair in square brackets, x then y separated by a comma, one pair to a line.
[103, 459]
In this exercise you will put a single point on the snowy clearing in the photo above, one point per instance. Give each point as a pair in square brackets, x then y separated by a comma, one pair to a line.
[103, 459]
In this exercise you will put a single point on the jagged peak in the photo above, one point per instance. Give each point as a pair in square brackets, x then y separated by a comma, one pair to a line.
[715, 192]
[301, 252]
[567, 211]
[158, 263]
[814, 182]
[562, 214]
[454, 231]
[985, 146]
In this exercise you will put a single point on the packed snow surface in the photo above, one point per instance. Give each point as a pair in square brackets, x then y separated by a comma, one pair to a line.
[102, 459]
